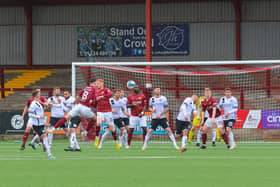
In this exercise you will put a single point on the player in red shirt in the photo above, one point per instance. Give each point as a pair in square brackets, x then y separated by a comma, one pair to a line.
[215, 117]
[86, 99]
[137, 102]
[43, 101]
[104, 114]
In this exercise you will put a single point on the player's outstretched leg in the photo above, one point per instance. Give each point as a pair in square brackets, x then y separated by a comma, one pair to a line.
[172, 137]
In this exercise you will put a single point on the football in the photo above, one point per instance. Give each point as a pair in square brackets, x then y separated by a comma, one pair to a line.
[130, 84]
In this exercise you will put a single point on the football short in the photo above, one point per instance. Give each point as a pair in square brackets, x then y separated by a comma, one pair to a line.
[119, 123]
[53, 121]
[40, 130]
[135, 120]
[218, 122]
[82, 110]
[106, 117]
[162, 122]
[126, 121]
[229, 123]
[29, 123]
[182, 125]
[75, 121]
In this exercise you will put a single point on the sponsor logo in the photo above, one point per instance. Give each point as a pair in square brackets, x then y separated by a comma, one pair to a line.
[171, 38]
[273, 118]
[16, 122]
[253, 119]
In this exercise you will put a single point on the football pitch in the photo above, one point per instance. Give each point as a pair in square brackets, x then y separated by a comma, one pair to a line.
[160, 165]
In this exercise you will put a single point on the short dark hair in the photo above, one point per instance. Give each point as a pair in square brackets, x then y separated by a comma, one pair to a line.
[36, 88]
[92, 80]
[35, 93]
[66, 90]
[228, 89]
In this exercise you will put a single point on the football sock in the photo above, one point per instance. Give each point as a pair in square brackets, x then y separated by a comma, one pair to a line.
[97, 131]
[24, 139]
[225, 138]
[130, 134]
[204, 138]
[125, 137]
[144, 133]
[50, 138]
[103, 138]
[231, 138]
[172, 138]
[47, 146]
[191, 134]
[76, 144]
[35, 138]
[72, 140]
[198, 137]
[114, 134]
[147, 138]
[184, 140]
[213, 135]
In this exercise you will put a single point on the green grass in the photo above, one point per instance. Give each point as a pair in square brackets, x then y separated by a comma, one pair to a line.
[254, 165]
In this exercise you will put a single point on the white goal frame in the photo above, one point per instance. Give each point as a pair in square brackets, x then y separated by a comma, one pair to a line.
[166, 63]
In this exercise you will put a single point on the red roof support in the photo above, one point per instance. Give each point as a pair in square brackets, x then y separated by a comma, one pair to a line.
[28, 14]
[237, 8]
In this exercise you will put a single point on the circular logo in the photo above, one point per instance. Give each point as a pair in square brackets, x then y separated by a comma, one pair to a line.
[16, 122]
[171, 38]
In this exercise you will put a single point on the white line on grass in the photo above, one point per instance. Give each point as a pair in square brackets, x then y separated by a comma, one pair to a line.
[139, 157]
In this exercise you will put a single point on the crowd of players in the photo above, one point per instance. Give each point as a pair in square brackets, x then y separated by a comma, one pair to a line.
[99, 105]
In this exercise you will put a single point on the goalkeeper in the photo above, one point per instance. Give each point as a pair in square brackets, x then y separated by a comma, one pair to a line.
[196, 125]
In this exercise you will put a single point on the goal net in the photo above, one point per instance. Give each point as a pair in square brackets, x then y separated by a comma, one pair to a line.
[255, 84]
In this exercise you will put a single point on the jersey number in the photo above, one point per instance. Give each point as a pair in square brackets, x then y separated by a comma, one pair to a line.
[85, 95]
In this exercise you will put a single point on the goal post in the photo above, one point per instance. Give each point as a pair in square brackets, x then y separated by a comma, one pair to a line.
[255, 84]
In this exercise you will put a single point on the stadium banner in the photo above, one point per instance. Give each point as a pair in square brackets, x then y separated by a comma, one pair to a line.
[271, 119]
[130, 40]
[10, 122]
[248, 119]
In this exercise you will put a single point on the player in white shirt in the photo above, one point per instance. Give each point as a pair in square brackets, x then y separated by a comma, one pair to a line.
[159, 106]
[124, 115]
[57, 112]
[118, 108]
[183, 120]
[36, 114]
[229, 104]
[68, 105]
